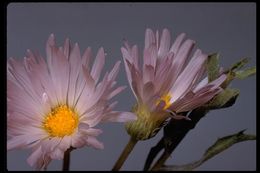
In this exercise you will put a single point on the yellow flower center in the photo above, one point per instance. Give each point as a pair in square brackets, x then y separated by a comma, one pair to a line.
[61, 121]
[167, 99]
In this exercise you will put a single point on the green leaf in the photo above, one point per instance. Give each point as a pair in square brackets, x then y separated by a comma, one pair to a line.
[230, 76]
[238, 65]
[224, 99]
[213, 66]
[233, 72]
[241, 74]
[220, 145]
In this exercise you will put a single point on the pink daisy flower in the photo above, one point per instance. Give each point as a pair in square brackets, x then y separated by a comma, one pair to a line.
[168, 81]
[56, 105]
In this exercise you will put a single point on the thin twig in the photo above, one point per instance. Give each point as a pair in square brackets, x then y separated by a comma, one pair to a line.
[127, 150]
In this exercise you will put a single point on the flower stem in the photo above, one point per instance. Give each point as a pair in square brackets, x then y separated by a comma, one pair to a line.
[161, 161]
[66, 160]
[128, 148]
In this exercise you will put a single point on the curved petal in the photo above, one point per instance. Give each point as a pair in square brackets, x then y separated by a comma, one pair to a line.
[98, 65]
[92, 141]
[164, 43]
[186, 78]
[115, 116]
[149, 38]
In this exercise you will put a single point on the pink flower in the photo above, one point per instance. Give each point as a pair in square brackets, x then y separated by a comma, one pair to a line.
[167, 82]
[56, 105]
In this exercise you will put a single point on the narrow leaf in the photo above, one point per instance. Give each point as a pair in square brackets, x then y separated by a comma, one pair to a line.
[213, 66]
[241, 74]
[238, 65]
[231, 72]
[219, 146]
[224, 99]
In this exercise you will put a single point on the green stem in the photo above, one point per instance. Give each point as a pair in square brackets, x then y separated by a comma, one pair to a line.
[127, 150]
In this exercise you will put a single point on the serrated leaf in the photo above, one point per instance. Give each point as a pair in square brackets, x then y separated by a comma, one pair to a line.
[241, 74]
[213, 66]
[224, 99]
[219, 146]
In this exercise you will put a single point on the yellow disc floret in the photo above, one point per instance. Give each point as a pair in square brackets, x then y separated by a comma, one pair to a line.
[61, 121]
[167, 99]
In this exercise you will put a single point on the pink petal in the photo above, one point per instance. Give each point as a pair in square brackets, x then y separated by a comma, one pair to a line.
[148, 91]
[115, 116]
[177, 43]
[75, 63]
[49, 144]
[21, 79]
[149, 38]
[137, 91]
[78, 141]
[93, 142]
[115, 92]
[98, 64]
[135, 80]
[22, 141]
[201, 84]
[126, 55]
[181, 56]
[113, 73]
[148, 74]
[128, 73]
[34, 157]
[185, 79]
[93, 118]
[49, 46]
[164, 43]
[217, 82]
[90, 82]
[165, 71]
[65, 143]
[59, 72]
[157, 39]
[86, 57]
[112, 105]
[198, 100]
[91, 132]
[38, 159]
[150, 56]
[134, 54]
[66, 48]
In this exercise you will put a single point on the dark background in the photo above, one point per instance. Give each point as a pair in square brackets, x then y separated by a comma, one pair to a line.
[227, 28]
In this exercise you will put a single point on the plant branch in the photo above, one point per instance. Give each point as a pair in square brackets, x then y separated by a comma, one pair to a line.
[128, 148]
[219, 146]
[66, 159]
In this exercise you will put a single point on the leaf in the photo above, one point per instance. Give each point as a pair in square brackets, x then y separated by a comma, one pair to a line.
[174, 133]
[220, 145]
[154, 151]
[233, 72]
[230, 76]
[241, 74]
[224, 99]
[213, 66]
[238, 65]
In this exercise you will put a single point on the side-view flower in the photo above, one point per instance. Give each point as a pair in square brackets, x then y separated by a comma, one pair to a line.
[54, 105]
[168, 84]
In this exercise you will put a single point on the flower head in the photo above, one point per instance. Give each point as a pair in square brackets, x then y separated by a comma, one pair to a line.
[167, 82]
[55, 105]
